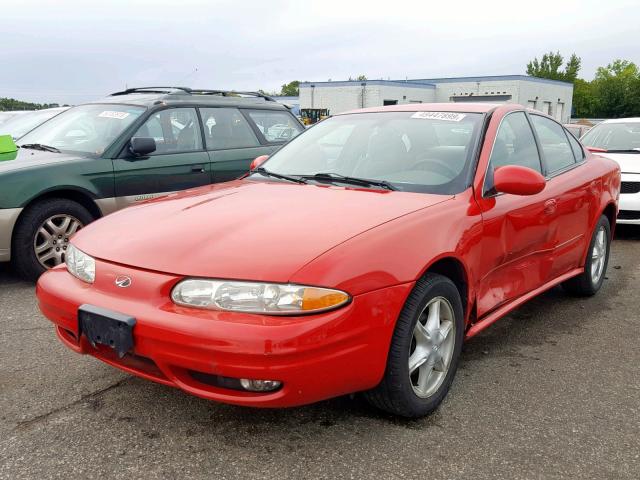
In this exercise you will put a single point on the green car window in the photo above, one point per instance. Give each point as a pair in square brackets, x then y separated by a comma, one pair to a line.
[275, 126]
[174, 130]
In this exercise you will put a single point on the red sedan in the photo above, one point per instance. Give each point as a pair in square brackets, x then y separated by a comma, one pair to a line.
[358, 257]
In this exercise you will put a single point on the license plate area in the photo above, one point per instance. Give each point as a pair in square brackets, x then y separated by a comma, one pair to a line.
[105, 327]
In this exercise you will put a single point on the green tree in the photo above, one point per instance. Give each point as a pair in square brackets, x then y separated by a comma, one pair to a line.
[550, 67]
[291, 89]
[584, 100]
[617, 89]
[10, 104]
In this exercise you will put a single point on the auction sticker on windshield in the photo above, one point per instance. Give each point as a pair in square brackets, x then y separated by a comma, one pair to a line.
[112, 114]
[450, 116]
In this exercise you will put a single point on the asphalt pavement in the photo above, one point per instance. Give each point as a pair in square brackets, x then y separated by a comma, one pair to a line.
[551, 391]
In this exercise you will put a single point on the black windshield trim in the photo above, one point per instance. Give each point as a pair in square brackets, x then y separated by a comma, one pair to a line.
[267, 173]
[338, 178]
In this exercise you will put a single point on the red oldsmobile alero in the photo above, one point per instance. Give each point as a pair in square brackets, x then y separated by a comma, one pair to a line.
[358, 257]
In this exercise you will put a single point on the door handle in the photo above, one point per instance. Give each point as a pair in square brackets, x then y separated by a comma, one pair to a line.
[550, 206]
[197, 168]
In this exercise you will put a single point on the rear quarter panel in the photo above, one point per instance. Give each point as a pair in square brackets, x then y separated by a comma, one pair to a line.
[607, 173]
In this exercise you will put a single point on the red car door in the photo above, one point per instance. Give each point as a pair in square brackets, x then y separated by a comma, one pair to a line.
[516, 237]
[572, 190]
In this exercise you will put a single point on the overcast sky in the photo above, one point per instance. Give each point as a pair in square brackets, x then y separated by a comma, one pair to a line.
[74, 51]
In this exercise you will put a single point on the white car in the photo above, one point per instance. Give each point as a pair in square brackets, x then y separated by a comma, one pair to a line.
[19, 125]
[619, 140]
[6, 116]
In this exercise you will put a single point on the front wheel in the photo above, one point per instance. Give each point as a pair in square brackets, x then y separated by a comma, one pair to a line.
[595, 267]
[424, 352]
[41, 237]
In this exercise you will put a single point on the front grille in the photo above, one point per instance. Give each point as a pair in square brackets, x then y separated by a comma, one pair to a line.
[629, 215]
[630, 187]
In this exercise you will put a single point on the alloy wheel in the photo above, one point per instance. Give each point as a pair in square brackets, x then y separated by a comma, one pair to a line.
[598, 255]
[432, 347]
[52, 239]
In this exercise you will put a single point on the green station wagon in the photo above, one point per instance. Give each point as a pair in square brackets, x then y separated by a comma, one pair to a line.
[134, 145]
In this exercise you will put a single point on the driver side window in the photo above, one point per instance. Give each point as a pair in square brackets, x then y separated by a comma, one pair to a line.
[514, 145]
[174, 130]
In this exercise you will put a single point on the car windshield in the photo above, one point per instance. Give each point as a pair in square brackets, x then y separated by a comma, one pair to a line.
[616, 136]
[86, 129]
[21, 124]
[427, 152]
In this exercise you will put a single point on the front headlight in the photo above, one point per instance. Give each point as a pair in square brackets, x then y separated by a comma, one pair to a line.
[80, 265]
[255, 297]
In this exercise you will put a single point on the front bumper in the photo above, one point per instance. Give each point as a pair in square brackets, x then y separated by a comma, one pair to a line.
[315, 357]
[629, 205]
[8, 219]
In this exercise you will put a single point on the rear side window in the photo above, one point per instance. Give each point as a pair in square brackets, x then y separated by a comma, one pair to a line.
[275, 126]
[558, 154]
[226, 128]
[578, 153]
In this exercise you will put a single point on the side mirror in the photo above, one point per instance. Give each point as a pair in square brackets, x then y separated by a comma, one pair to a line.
[518, 180]
[141, 146]
[258, 161]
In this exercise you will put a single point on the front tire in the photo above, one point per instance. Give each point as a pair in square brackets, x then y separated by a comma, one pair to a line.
[425, 350]
[42, 235]
[595, 267]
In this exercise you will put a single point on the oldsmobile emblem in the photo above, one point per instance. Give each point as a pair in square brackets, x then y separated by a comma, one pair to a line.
[123, 281]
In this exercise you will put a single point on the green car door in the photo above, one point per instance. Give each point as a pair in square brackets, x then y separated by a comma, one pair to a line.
[178, 162]
[231, 142]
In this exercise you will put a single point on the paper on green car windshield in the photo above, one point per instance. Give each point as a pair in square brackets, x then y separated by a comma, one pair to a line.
[7, 144]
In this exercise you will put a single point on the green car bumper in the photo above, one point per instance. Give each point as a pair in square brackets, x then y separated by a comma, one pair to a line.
[8, 218]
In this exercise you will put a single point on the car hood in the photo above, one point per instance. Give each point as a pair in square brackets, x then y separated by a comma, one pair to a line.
[254, 230]
[25, 158]
[629, 162]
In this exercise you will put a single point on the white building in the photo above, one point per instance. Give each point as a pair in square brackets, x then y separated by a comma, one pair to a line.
[549, 96]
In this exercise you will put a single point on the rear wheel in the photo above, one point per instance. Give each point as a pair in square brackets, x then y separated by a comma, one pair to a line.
[41, 237]
[425, 349]
[595, 267]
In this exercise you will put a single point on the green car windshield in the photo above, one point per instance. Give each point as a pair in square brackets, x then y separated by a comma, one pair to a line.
[86, 129]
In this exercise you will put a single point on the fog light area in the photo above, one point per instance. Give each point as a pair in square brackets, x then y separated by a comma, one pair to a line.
[260, 385]
[242, 384]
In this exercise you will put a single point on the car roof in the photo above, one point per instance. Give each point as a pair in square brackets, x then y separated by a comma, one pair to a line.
[622, 120]
[153, 96]
[466, 107]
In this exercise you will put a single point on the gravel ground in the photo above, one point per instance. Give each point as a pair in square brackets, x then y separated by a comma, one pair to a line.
[551, 391]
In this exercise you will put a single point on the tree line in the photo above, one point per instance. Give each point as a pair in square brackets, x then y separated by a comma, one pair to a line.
[11, 104]
[614, 92]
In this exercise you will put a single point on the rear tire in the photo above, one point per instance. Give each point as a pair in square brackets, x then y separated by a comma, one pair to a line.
[45, 227]
[595, 267]
[422, 359]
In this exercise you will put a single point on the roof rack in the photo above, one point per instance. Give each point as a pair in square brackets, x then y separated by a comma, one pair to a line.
[194, 91]
[151, 90]
[230, 93]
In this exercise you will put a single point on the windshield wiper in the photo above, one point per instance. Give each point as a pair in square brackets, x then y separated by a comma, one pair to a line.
[268, 173]
[629, 150]
[40, 146]
[337, 177]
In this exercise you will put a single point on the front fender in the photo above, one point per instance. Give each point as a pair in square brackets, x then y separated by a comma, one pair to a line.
[90, 176]
[401, 250]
